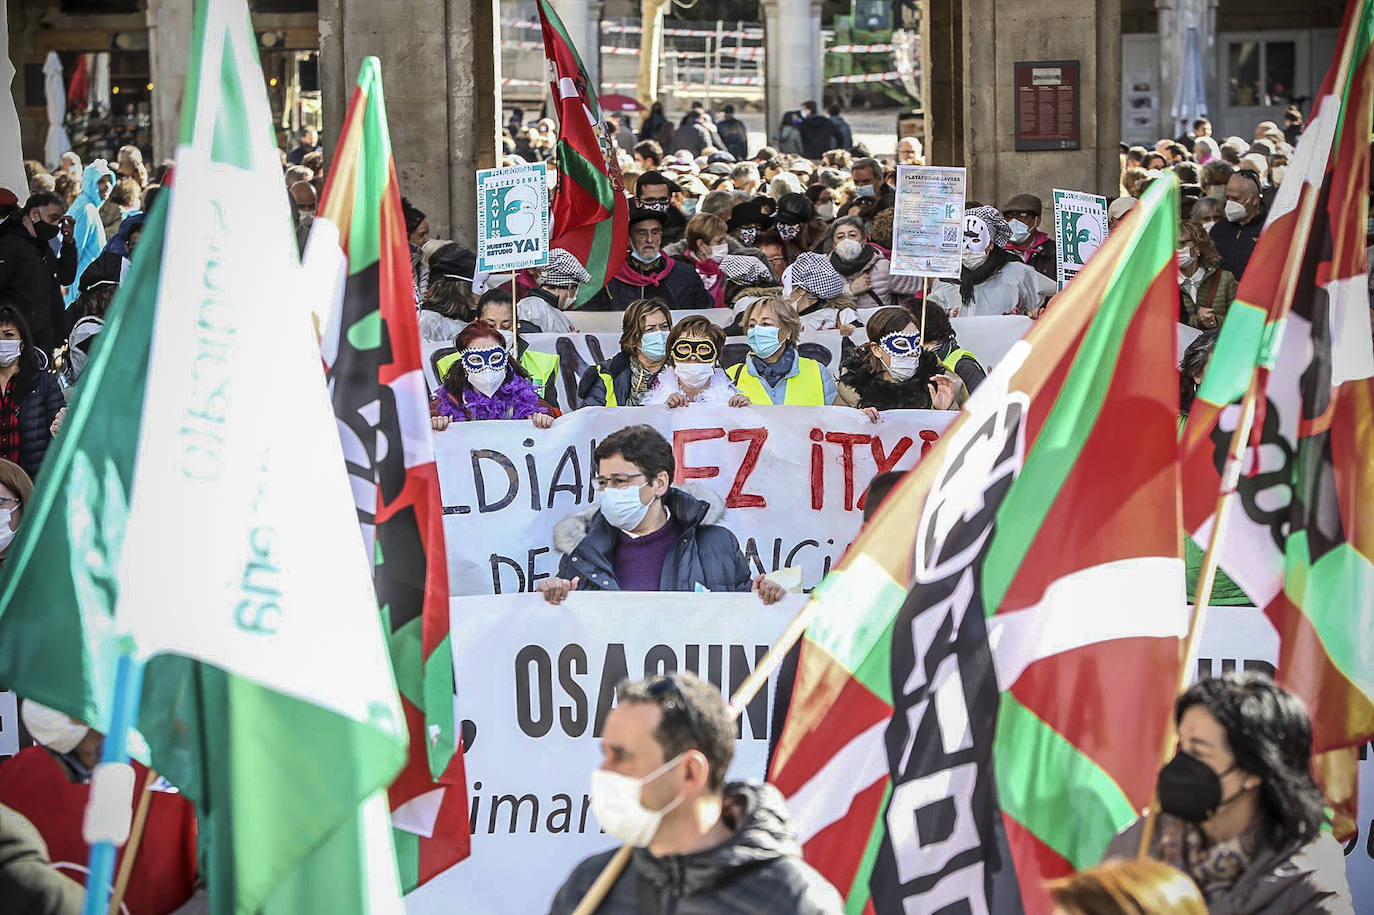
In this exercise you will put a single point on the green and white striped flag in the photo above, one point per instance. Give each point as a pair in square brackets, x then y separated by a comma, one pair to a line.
[195, 512]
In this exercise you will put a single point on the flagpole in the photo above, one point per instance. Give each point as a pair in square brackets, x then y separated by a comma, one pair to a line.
[741, 698]
[126, 864]
[925, 299]
[107, 810]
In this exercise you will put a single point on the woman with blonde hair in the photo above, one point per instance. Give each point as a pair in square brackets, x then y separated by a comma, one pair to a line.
[1127, 887]
[774, 372]
[624, 379]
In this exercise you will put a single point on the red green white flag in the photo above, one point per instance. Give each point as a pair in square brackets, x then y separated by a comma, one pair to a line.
[590, 211]
[1298, 539]
[371, 348]
[982, 698]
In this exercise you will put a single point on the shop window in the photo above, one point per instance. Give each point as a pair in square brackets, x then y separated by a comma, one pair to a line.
[1260, 73]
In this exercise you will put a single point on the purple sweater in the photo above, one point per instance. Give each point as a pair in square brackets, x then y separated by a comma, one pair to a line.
[638, 561]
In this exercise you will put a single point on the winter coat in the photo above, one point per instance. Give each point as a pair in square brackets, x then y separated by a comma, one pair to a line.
[541, 308]
[691, 136]
[29, 278]
[883, 287]
[844, 132]
[38, 406]
[89, 229]
[680, 287]
[1217, 290]
[758, 869]
[864, 383]
[819, 135]
[591, 387]
[1038, 253]
[735, 136]
[438, 328]
[1015, 289]
[705, 554]
[1235, 242]
[29, 884]
[1305, 878]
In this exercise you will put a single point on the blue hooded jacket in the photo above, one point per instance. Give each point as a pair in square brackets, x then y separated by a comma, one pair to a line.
[89, 231]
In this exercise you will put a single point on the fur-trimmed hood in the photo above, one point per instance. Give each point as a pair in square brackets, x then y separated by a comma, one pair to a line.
[572, 530]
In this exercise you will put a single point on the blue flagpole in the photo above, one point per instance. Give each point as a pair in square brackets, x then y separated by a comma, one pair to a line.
[128, 687]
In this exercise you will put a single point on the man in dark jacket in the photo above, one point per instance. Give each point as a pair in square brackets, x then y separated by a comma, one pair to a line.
[691, 135]
[31, 276]
[647, 273]
[733, 133]
[1237, 234]
[702, 845]
[819, 134]
[844, 132]
[647, 535]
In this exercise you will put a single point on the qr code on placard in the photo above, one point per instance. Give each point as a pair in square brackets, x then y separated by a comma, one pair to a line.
[951, 233]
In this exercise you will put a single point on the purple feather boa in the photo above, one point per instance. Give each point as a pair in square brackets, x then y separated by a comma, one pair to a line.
[515, 399]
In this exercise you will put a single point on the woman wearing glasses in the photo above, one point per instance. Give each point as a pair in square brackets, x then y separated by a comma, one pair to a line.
[893, 371]
[15, 489]
[693, 374]
[485, 383]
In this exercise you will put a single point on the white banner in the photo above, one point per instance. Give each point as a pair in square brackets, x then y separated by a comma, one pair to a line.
[512, 218]
[791, 480]
[928, 225]
[538, 693]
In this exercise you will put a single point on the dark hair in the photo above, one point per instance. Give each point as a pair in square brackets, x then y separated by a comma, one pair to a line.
[706, 726]
[28, 361]
[413, 215]
[649, 149]
[809, 105]
[878, 488]
[1216, 172]
[1201, 122]
[834, 110]
[456, 379]
[40, 200]
[871, 164]
[1186, 172]
[1194, 362]
[937, 324]
[1270, 736]
[1194, 234]
[642, 446]
[450, 298]
[888, 320]
[498, 295]
[698, 326]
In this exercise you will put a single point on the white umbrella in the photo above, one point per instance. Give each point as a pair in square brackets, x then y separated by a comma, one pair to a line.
[98, 96]
[1190, 100]
[11, 154]
[57, 142]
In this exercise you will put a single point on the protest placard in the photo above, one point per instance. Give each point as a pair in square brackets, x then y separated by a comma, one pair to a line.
[787, 481]
[512, 218]
[535, 681]
[928, 225]
[1080, 228]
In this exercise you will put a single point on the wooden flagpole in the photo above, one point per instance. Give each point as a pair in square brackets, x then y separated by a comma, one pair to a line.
[126, 863]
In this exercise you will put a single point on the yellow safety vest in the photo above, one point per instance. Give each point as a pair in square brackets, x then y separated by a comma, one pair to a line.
[953, 358]
[540, 367]
[805, 389]
[610, 387]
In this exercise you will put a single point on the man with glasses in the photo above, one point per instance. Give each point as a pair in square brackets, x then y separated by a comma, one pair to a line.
[646, 534]
[702, 844]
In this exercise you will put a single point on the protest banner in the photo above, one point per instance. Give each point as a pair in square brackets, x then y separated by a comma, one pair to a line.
[512, 218]
[577, 352]
[791, 481]
[928, 226]
[1080, 228]
[534, 694]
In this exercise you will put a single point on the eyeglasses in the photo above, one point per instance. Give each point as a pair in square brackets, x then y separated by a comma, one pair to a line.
[700, 350]
[7, 502]
[477, 360]
[1013, 214]
[615, 481]
[669, 695]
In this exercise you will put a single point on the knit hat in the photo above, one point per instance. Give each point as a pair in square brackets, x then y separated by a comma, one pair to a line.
[814, 273]
[745, 270]
[563, 269]
[992, 218]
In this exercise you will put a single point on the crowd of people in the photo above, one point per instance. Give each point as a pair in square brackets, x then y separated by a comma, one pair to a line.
[795, 238]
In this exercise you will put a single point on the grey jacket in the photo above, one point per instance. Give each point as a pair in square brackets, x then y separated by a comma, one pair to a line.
[758, 869]
[1306, 878]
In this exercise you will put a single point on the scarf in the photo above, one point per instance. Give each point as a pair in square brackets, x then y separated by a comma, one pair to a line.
[628, 274]
[515, 399]
[713, 278]
[641, 379]
[997, 259]
[774, 372]
[1214, 868]
[847, 268]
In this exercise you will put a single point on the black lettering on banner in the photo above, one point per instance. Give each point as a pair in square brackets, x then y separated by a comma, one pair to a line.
[497, 561]
[533, 660]
[1207, 670]
[613, 670]
[534, 476]
[569, 458]
[757, 709]
[516, 804]
[479, 481]
[533, 578]
[572, 663]
[943, 844]
[565, 811]
[660, 661]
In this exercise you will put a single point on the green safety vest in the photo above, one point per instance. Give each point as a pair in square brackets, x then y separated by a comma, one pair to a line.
[805, 389]
[540, 367]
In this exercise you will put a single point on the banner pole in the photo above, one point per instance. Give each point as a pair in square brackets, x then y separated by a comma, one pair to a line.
[1202, 596]
[107, 809]
[925, 298]
[514, 317]
[126, 864]
[741, 698]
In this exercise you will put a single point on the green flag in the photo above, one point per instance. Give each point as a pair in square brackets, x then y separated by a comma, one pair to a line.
[195, 514]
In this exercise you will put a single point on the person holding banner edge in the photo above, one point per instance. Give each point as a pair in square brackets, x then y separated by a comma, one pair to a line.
[646, 534]
[626, 377]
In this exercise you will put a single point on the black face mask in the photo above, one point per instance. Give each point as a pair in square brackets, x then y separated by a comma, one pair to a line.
[1189, 789]
[45, 231]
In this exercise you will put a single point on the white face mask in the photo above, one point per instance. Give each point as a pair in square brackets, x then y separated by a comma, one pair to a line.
[902, 367]
[9, 351]
[1277, 173]
[719, 251]
[487, 380]
[1186, 259]
[694, 374]
[6, 535]
[848, 249]
[622, 507]
[826, 210]
[1019, 230]
[615, 801]
[51, 728]
[1235, 212]
[973, 259]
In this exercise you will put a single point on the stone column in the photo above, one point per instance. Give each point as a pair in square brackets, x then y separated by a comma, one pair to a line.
[169, 46]
[792, 57]
[441, 79]
[582, 19]
[942, 81]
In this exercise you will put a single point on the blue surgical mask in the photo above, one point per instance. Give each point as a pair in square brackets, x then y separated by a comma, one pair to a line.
[866, 190]
[763, 340]
[621, 507]
[689, 206]
[1019, 230]
[643, 259]
[654, 345]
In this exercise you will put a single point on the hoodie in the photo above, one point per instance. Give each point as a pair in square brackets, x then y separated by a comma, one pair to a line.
[759, 868]
[89, 230]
